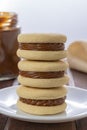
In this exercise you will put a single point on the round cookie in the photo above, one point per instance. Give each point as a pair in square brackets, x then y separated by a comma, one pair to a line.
[41, 66]
[38, 110]
[41, 46]
[43, 83]
[38, 93]
[41, 101]
[42, 55]
[41, 38]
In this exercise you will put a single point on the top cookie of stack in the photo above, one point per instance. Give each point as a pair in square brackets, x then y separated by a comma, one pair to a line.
[46, 47]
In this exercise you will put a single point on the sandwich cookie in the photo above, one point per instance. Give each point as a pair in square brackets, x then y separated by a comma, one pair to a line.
[77, 55]
[41, 46]
[41, 101]
[42, 74]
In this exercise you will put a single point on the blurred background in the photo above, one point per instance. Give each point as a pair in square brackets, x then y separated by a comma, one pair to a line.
[57, 16]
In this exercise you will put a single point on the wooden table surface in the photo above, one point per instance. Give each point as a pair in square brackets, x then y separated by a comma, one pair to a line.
[7, 123]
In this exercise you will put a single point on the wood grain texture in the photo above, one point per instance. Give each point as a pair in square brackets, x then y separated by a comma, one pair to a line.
[80, 79]
[81, 124]
[16, 125]
[3, 120]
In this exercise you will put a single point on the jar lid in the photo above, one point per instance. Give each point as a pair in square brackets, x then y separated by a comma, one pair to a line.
[8, 19]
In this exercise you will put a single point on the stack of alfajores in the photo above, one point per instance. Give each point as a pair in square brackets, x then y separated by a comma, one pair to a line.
[42, 73]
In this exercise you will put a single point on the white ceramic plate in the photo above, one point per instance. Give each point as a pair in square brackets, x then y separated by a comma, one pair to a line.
[76, 106]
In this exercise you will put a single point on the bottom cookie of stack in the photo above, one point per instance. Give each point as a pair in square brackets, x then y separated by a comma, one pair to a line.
[41, 101]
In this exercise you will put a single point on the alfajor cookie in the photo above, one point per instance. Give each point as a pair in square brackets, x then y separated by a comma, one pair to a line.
[42, 74]
[42, 46]
[41, 101]
[77, 55]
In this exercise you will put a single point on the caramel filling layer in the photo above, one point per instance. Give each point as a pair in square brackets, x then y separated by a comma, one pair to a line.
[42, 46]
[52, 102]
[41, 75]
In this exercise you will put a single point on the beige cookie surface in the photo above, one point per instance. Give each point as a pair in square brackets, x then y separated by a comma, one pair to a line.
[40, 110]
[43, 83]
[77, 64]
[77, 55]
[41, 38]
[42, 55]
[78, 49]
[38, 93]
[41, 66]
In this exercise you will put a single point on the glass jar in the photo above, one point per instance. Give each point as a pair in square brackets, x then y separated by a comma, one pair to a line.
[8, 45]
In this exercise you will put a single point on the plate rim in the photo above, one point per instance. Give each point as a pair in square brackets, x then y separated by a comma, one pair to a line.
[45, 120]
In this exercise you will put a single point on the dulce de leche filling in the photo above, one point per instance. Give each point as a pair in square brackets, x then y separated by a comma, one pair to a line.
[42, 46]
[50, 102]
[41, 75]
